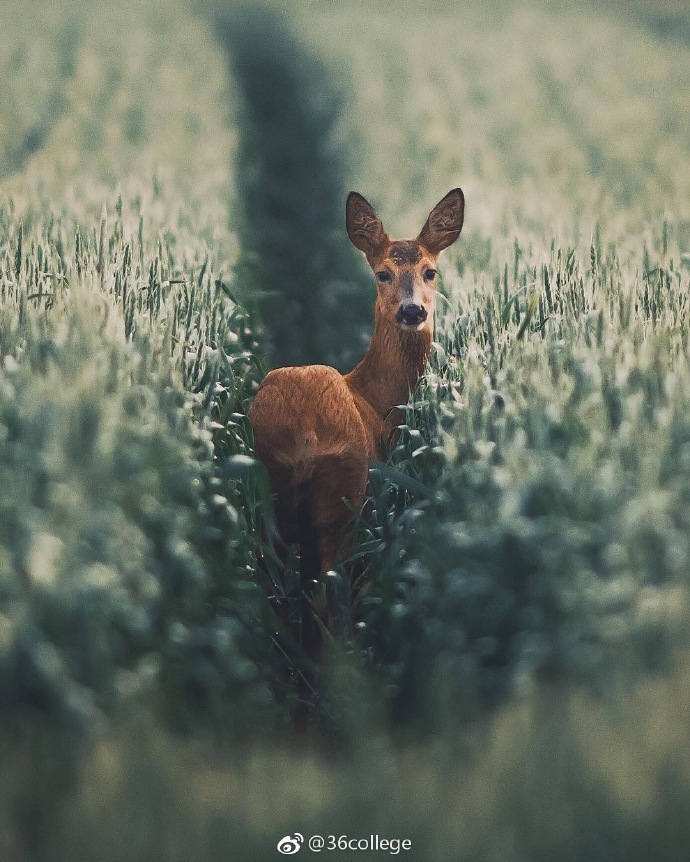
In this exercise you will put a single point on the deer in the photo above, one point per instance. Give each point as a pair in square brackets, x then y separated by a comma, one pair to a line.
[315, 429]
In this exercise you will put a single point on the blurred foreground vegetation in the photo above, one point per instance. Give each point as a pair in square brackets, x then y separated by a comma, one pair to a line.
[516, 687]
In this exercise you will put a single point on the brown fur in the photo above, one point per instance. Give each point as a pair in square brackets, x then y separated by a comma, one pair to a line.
[315, 429]
[405, 251]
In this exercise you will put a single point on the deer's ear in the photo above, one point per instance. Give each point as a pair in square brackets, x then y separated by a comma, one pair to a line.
[363, 225]
[444, 224]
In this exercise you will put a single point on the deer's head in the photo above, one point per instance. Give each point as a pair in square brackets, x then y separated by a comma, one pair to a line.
[405, 269]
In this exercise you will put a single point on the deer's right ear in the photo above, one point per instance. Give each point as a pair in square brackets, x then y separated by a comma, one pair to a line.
[444, 224]
[363, 225]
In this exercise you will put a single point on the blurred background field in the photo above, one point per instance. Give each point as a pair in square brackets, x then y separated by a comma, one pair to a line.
[172, 186]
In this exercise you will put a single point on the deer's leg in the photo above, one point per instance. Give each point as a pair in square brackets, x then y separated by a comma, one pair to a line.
[338, 487]
[310, 608]
[336, 495]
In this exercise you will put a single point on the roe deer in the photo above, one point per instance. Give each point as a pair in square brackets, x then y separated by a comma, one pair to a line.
[316, 429]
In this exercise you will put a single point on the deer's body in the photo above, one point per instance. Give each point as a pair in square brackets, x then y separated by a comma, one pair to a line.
[316, 429]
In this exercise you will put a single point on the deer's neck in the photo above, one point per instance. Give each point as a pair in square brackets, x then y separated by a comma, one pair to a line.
[392, 365]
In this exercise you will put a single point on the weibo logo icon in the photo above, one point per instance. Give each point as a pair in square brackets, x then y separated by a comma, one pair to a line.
[290, 844]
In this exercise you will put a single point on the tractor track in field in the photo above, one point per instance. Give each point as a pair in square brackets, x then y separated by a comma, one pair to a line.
[297, 269]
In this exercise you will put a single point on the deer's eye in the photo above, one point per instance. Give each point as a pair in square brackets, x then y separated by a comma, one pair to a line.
[383, 276]
[429, 274]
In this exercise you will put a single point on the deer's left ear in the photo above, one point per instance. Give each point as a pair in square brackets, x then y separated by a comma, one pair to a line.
[444, 224]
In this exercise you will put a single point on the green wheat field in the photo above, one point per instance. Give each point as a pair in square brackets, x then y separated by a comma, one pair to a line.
[512, 679]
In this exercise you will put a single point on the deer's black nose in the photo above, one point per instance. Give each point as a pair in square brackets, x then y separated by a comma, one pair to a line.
[411, 315]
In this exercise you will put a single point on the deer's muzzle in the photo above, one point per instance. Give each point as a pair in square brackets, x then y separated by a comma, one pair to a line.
[411, 314]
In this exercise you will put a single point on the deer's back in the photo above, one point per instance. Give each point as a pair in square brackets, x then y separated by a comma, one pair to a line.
[307, 426]
[305, 412]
